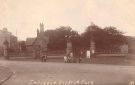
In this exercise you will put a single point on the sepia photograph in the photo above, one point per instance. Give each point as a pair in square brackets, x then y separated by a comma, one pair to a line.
[67, 42]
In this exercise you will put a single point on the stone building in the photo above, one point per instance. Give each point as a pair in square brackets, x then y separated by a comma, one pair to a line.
[38, 43]
[11, 39]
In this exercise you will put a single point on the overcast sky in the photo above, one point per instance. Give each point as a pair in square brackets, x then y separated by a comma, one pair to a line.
[24, 16]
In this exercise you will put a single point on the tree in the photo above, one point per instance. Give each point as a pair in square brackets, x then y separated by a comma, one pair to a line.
[105, 39]
[114, 37]
[92, 33]
[57, 37]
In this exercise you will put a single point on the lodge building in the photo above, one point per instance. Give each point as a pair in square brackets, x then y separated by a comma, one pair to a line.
[38, 43]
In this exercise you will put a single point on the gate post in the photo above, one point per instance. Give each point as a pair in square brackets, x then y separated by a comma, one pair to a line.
[6, 49]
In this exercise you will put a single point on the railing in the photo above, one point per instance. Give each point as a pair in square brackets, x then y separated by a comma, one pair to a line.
[20, 54]
[108, 52]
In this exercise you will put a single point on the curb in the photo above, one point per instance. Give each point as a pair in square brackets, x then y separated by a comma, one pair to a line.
[6, 73]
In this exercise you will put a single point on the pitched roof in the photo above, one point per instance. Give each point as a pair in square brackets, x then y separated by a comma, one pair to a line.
[30, 41]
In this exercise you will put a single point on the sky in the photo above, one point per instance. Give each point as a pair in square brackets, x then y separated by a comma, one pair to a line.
[22, 17]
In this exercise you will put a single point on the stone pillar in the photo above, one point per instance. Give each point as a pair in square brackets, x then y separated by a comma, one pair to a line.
[43, 52]
[36, 51]
[69, 50]
[92, 47]
[43, 48]
[69, 47]
[35, 54]
[6, 48]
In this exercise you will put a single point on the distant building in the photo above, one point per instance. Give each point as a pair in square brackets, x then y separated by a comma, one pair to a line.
[124, 48]
[6, 35]
[129, 47]
[131, 44]
[38, 43]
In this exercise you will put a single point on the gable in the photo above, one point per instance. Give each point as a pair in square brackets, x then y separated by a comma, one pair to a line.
[30, 41]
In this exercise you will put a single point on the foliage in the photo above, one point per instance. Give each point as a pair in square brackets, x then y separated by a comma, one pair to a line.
[107, 38]
[58, 37]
